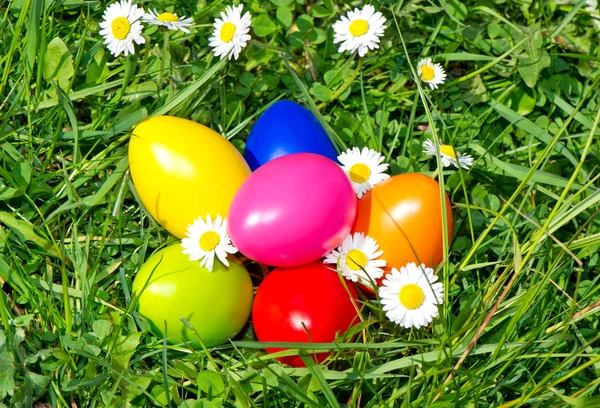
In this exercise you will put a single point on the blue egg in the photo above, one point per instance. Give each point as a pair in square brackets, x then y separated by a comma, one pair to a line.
[285, 128]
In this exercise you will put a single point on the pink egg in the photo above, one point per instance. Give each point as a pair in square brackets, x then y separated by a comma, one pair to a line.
[293, 210]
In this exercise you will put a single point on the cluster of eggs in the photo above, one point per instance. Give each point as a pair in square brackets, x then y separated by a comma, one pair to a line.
[288, 204]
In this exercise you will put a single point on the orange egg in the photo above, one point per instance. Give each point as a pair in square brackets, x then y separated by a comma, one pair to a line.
[404, 215]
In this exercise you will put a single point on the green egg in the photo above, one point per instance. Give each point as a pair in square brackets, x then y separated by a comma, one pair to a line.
[171, 287]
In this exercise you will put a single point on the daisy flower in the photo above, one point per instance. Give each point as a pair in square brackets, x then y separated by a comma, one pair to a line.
[357, 258]
[364, 168]
[359, 30]
[432, 74]
[448, 155]
[169, 20]
[409, 297]
[121, 27]
[205, 239]
[231, 32]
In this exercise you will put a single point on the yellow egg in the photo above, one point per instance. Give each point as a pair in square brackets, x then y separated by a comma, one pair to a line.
[182, 170]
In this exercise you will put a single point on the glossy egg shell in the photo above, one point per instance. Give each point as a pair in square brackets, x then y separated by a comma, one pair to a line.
[216, 303]
[285, 128]
[310, 297]
[293, 210]
[182, 170]
[404, 215]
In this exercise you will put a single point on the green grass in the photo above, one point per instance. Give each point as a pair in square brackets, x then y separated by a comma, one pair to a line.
[520, 325]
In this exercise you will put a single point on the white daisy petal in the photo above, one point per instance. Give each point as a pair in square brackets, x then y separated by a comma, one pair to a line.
[207, 239]
[409, 296]
[359, 30]
[332, 258]
[465, 161]
[120, 27]
[430, 73]
[222, 257]
[357, 259]
[363, 168]
[230, 32]
[170, 20]
[448, 155]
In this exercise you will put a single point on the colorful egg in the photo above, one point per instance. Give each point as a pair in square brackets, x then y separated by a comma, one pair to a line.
[293, 301]
[404, 215]
[182, 170]
[170, 287]
[293, 210]
[286, 128]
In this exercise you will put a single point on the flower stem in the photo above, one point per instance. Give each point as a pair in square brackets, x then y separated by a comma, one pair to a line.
[345, 86]
[163, 57]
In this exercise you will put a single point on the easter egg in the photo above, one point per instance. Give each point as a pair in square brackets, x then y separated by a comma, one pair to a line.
[182, 170]
[303, 304]
[293, 210]
[404, 215]
[170, 287]
[285, 128]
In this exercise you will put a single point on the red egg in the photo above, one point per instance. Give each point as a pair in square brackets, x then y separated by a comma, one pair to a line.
[292, 301]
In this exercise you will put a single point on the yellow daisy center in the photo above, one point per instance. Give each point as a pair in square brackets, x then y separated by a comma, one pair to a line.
[448, 151]
[227, 32]
[209, 241]
[427, 73]
[356, 259]
[411, 296]
[168, 17]
[359, 173]
[358, 28]
[120, 28]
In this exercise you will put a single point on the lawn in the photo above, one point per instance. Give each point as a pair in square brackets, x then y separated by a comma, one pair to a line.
[519, 325]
